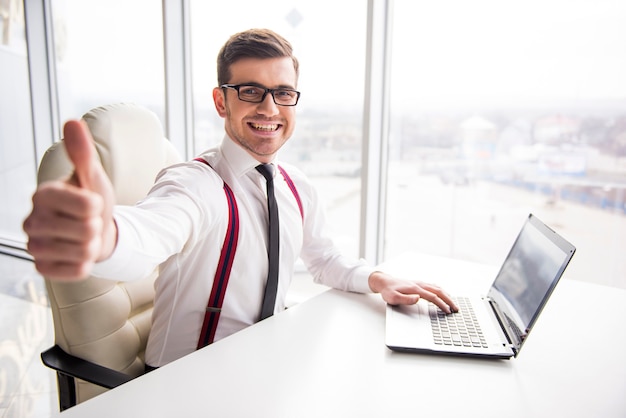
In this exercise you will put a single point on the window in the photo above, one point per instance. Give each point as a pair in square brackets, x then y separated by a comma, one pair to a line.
[327, 140]
[501, 110]
[17, 168]
[108, 52]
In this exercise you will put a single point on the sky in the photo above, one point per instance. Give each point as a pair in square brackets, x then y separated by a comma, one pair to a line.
[500, 48]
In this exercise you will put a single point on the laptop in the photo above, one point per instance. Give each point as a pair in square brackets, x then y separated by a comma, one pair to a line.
[496, 324]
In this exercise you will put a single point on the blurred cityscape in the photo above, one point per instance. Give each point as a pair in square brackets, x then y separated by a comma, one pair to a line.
[461, 183]
[575, 153]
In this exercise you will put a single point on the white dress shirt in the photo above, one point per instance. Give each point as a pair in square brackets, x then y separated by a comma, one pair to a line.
[181, 226]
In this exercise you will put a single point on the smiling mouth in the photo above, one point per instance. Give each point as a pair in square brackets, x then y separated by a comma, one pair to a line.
[264, 127]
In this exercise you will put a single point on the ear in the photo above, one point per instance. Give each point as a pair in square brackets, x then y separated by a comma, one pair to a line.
[220, 101]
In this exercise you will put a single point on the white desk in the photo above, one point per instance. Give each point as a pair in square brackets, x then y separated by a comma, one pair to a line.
[326, 358]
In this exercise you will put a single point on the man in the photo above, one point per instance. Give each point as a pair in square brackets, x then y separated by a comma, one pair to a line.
[75, 229]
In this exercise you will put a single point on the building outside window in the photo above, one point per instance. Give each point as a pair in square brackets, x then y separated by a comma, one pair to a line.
[501, 110]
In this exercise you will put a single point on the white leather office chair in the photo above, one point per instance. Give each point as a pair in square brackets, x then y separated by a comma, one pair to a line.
[101, 326]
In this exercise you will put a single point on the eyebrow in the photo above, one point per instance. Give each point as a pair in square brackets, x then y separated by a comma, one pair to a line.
[252, 83]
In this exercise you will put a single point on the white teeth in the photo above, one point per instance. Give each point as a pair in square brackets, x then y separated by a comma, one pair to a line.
[267, 128]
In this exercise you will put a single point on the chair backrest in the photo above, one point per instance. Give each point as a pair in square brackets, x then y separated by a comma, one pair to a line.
[105, 321]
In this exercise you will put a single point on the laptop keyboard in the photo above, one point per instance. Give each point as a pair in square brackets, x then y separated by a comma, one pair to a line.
[457, 329]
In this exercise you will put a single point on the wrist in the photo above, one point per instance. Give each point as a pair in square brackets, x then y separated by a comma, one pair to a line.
[109, 240]
[376, 281]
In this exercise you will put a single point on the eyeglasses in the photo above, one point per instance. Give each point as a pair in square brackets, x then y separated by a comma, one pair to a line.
[256, 94]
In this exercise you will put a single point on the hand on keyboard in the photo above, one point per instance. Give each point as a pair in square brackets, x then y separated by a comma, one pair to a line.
[405, 292]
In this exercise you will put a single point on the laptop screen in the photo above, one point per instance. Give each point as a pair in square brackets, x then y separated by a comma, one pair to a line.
[530, 272]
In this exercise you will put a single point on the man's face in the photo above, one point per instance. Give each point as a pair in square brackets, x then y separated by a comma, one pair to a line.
[260, 128]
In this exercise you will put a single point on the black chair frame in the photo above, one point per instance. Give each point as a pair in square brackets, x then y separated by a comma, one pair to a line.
[69, 368]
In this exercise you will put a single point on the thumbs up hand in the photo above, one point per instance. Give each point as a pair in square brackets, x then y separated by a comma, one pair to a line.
[71, 225]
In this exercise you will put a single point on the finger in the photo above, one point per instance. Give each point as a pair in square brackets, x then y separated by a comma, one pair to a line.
[56, 250]
[62, 227]
[63, 259]
[434, 298]
[63, 270]
[432, 294]
[441, 295]
[62, 199]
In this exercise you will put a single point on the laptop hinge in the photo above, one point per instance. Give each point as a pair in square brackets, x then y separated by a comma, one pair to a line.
[510, 334]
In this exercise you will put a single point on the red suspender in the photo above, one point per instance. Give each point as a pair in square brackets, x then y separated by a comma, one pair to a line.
[293, 189]
[225, 264]
[222, 274]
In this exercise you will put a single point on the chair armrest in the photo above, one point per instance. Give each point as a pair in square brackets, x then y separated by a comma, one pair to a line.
[65, 363]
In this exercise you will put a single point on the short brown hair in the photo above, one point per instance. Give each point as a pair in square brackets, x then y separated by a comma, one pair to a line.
[253, 43]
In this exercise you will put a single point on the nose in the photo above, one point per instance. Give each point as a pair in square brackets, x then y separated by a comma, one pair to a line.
[268, 107]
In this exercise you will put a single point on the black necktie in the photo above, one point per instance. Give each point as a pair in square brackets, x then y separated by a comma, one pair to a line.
[269, 298]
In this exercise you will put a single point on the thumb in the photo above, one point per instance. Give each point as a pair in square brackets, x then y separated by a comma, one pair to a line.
[89, 174]
[82, 153]
[394, 297]
[409, 299]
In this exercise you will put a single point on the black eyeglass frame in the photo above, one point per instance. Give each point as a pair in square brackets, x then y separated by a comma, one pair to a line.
[236, 87]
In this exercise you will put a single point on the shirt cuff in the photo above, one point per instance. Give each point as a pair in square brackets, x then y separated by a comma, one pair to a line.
[360, 279]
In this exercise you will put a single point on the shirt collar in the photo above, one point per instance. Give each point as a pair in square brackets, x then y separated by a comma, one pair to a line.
[238, 158]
